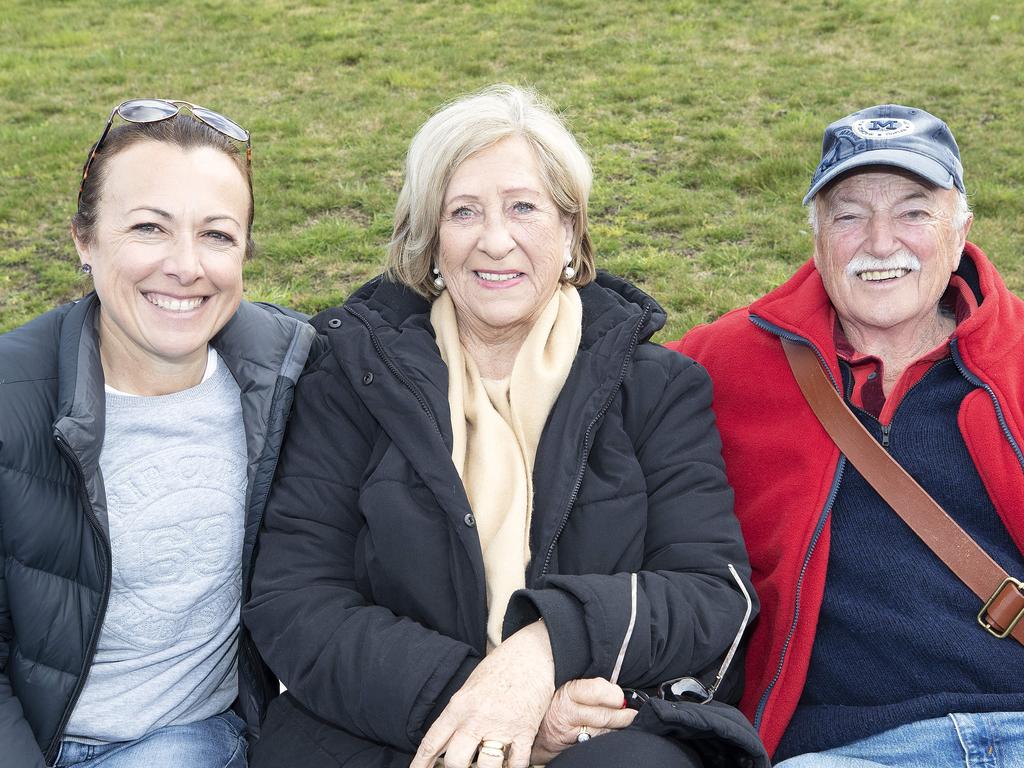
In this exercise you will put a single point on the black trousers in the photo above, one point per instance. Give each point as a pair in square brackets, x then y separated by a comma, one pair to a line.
[293, 737]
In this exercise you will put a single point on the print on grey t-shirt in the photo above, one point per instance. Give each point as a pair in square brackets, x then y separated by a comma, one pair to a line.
[174, 469]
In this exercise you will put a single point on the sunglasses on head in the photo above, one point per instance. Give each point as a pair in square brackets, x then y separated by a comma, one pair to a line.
[690, 688]
[155, 110]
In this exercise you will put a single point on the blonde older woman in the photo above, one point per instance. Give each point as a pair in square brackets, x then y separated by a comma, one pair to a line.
[499, 502]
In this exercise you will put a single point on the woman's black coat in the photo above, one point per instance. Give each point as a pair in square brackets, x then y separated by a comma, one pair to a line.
[368, 595]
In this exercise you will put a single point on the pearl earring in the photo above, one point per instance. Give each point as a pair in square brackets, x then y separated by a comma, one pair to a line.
[568, 272]
[438, 280]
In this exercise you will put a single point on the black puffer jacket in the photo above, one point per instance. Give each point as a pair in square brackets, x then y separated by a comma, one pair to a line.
[368, 593]
[53, 536]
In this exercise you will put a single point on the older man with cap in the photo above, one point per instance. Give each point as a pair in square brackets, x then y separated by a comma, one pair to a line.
[881, 642]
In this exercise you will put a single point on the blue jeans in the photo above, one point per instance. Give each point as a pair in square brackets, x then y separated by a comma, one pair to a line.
[987, 740]
[217, 742]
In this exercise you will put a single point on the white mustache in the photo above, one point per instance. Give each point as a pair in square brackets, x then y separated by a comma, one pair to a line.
[901, 260]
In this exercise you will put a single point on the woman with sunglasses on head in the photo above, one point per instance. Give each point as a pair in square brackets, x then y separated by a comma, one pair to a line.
[139, 429]
[499, 502]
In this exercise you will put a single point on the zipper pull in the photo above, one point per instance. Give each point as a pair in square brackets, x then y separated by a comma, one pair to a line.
[885, 435]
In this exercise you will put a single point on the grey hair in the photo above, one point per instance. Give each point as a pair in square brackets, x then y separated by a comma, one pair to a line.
[461, 129]
[961, 212]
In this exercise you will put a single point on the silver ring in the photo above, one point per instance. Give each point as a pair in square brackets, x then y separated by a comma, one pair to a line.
[584, 735]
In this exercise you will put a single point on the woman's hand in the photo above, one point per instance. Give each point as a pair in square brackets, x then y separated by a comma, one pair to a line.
[595, 703]
[503, 700]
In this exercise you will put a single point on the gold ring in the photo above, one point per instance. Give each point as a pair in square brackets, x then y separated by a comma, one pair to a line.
[494, 748]
[584, 735]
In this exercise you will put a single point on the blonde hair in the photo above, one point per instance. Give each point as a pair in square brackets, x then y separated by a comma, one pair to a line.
[461, 129]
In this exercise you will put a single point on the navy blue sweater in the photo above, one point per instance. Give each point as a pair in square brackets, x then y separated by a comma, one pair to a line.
[898, 639]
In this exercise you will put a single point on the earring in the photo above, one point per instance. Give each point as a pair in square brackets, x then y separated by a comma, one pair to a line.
[568, 272]
[87, 269]
[438, 280]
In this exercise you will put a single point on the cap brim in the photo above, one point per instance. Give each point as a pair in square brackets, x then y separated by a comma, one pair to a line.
[925, 167]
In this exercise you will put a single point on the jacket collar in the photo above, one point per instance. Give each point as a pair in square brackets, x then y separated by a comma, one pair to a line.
[262, 345]
[399, 321]
[79, 382]
[258, 346]
[801, 307]
[388, 305]
[264, 337]
[996, 328]
[609, 302]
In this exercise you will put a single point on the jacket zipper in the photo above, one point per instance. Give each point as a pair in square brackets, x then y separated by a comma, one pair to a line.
[581, 470]
[394, 369]
[886, 429]
[971, 377]
[822, 517]
[826, 510]
[276, 416]
[244, 641]
[65, 449]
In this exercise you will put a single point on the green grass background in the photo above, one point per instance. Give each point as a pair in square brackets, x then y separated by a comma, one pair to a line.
[703, 121]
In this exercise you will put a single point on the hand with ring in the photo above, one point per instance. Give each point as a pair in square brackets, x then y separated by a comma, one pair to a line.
[494, 717]
[492, 750]
[580, 710]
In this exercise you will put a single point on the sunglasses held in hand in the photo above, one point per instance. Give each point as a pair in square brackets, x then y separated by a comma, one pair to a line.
[690, 688]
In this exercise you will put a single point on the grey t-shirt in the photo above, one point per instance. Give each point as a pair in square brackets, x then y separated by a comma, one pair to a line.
[174, 467]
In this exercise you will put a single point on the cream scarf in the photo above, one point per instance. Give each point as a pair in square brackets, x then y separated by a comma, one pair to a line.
[496, 426]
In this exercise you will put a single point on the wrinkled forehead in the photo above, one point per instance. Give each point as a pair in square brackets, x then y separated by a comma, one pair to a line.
[880, 185]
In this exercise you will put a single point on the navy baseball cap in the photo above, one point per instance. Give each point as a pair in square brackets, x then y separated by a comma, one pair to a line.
[889, 134]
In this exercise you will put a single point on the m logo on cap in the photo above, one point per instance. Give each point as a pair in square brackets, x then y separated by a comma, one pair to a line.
[882, 127]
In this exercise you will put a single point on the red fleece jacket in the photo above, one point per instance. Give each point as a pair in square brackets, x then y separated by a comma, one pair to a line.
[782, 464]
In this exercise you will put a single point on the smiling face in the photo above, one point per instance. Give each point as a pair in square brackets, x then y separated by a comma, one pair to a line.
[886, 247]
[503, 242]
[166, 256]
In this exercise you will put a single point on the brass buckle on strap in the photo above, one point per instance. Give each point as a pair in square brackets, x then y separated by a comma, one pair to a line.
[1009, 581]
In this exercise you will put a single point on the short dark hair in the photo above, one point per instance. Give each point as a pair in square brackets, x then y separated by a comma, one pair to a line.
[181, 131]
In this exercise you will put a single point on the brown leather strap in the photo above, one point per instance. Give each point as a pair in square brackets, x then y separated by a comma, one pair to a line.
[911, 502]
